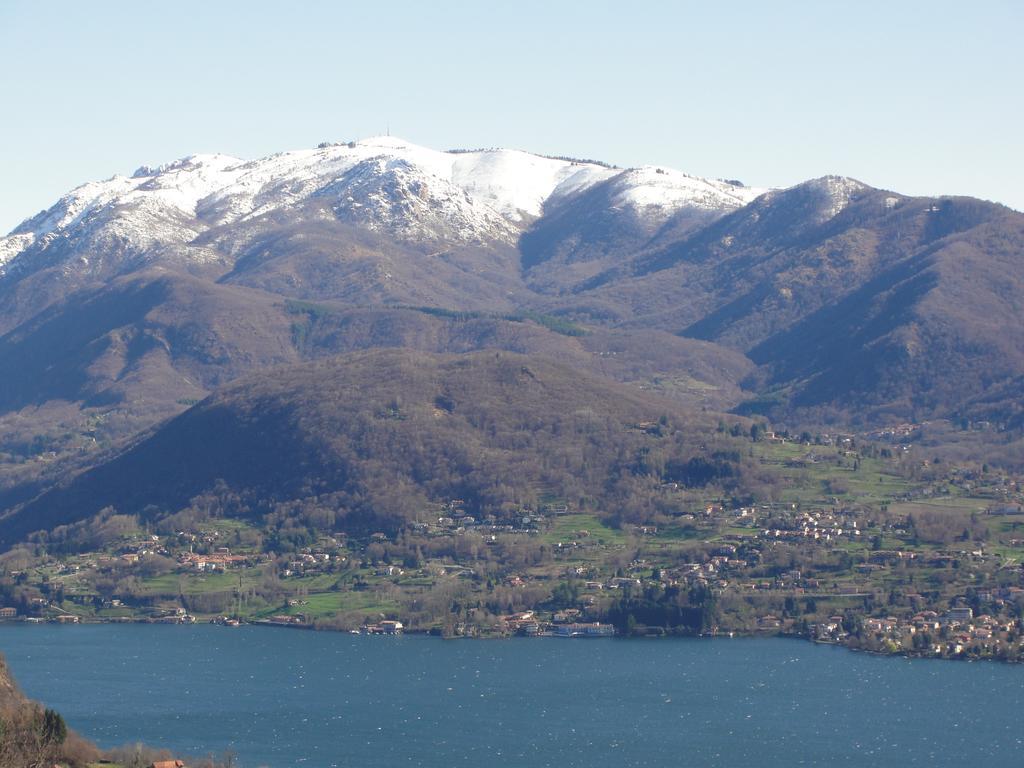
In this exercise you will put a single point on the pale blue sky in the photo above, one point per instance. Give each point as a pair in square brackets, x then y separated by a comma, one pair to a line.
[920, 97]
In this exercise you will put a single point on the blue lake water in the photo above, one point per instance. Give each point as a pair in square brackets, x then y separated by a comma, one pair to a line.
[291, 698]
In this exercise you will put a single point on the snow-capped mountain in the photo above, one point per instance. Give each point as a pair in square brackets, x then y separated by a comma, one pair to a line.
[130, 298]
[384, 184]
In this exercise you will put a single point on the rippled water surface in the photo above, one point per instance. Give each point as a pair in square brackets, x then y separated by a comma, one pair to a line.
[291, 698]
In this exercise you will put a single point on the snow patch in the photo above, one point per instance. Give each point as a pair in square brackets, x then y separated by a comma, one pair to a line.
[839, 190]
[518, 184]
[669, 191]
[12, 245]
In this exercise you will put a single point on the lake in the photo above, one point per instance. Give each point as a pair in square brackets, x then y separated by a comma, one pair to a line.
[280, 698]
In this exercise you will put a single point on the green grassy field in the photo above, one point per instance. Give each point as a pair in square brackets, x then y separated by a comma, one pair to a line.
[963, 504]
[199, 583]
[321, 605]
[861, 480]
[566, 528]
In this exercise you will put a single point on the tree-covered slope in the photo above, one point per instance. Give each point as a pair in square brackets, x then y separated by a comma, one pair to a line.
[374, 438]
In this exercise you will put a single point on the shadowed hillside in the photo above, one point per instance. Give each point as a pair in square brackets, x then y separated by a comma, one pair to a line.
[857, 304]
[373, 438]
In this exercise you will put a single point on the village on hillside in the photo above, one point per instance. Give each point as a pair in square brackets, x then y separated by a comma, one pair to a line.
[873, 564]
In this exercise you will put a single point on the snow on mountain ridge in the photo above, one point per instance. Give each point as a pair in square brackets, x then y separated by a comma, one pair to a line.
[646, 187]
[393, 194]
[516, 183]
[413, 191]
[832, 194]
[840, 190]
[14, 244]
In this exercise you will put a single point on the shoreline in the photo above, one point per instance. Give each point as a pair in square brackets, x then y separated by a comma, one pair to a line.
[665, 635]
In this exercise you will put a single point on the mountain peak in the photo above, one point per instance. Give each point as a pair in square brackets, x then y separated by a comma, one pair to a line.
[827, 195]
[840, 191]
[383, 183]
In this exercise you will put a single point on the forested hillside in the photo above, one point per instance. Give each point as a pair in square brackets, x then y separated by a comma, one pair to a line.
[376, 440]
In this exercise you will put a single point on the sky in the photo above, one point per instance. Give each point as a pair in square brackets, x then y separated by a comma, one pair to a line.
[923, 98]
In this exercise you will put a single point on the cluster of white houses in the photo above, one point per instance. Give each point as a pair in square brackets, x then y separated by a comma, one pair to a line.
[563, 624]
[953, 632]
